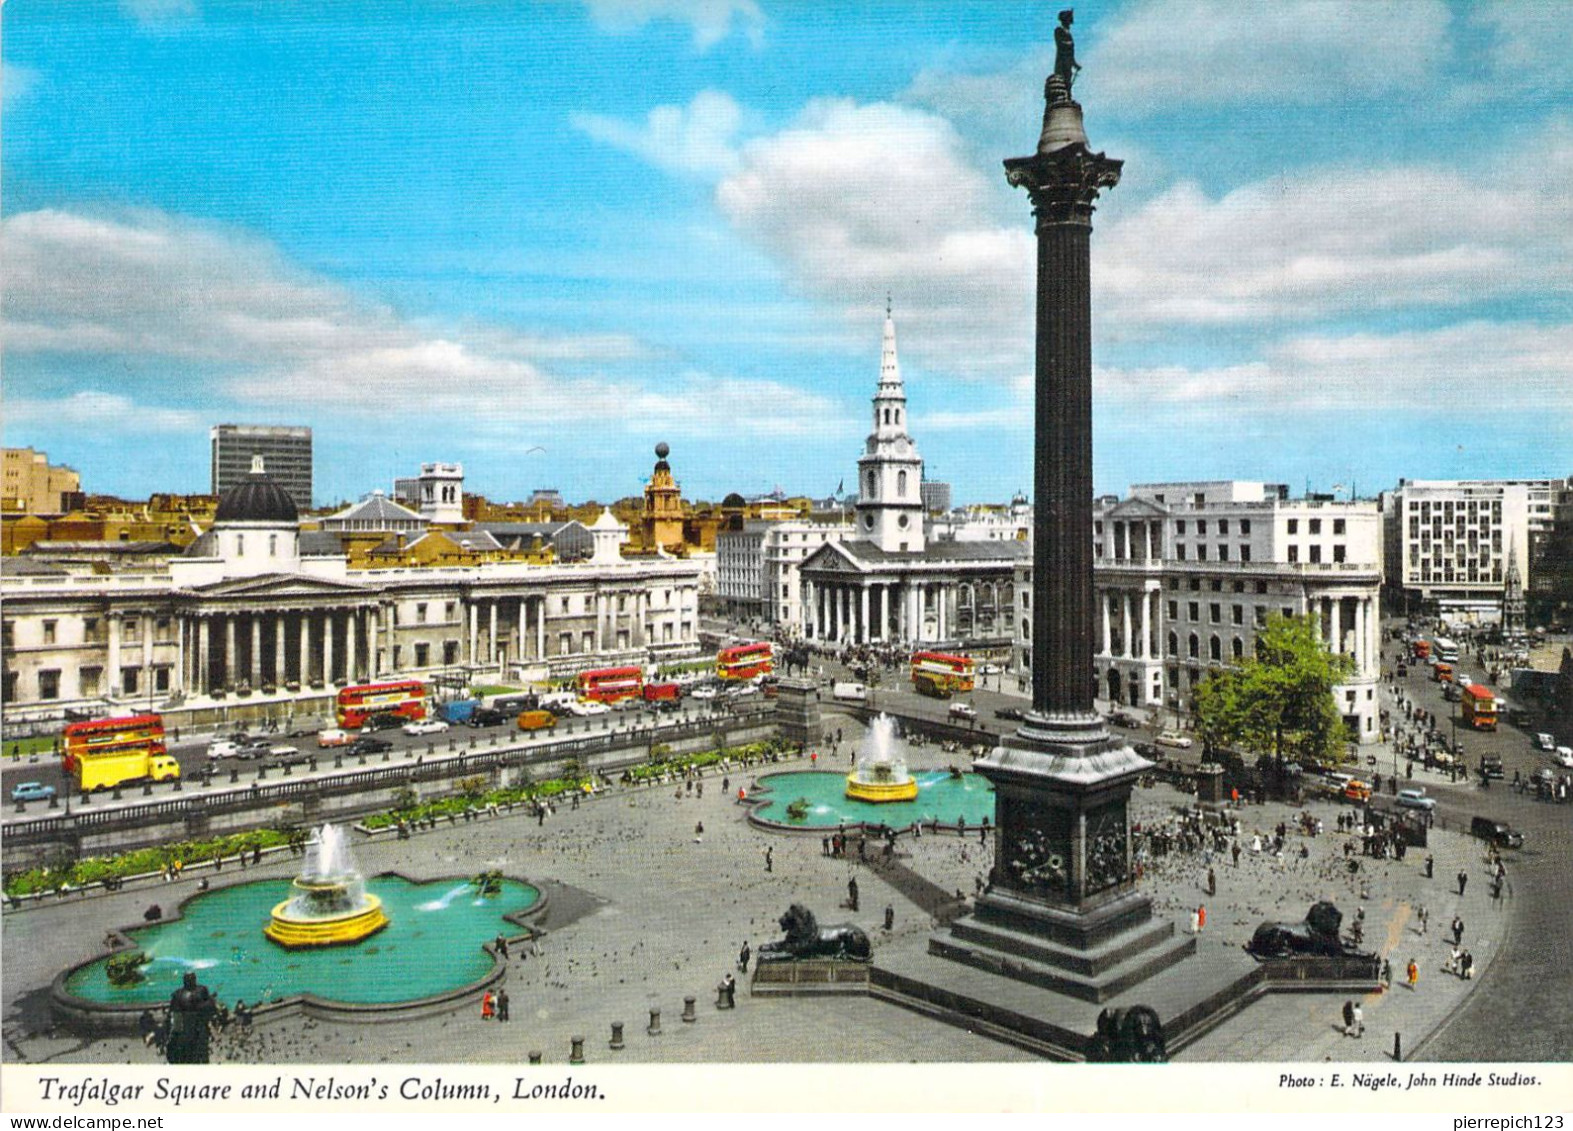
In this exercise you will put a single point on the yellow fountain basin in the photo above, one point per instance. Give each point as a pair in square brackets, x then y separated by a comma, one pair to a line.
[877, 791]
[292, 932]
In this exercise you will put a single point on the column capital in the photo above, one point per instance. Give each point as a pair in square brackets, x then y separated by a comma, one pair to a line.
[1063, 184]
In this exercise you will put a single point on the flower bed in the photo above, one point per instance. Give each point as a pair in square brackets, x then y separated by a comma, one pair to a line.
[144, 861]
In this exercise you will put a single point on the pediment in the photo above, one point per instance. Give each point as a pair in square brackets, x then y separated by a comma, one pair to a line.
[277, 586]
[1136, 508]
[831, 558]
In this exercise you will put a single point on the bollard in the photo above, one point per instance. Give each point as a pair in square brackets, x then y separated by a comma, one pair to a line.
[535, 1056]
[724, 999]
[576, 1050]
[363, 759]
[147, 789]
[286, 769]
[234, 775]
[87, 797]
[387, 756]
[688, 1009]
[654, 1028]
[338, 761]
[116, 793]
[1398, 1047]
[617, 1035]
[178, 786]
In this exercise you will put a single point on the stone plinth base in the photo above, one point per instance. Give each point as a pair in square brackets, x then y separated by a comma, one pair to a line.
[1091, 955]
[797, 711]
[812, 976]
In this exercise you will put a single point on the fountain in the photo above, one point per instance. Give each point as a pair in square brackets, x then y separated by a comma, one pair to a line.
[330, 905]
[880, 776]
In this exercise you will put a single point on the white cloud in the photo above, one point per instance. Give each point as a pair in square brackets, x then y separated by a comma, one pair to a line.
[856, 200]
[160, 287]
[697, 138]
[1528, 47]
[1160, 54]
[96, 410]
[1488, 366]
[711, 20]
[1334, 242]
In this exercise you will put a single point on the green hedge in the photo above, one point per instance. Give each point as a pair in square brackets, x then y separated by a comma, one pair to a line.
[144, 860]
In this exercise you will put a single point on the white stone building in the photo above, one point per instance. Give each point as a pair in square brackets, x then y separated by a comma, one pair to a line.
[886, 581]
[1184, 574]
[255, 612]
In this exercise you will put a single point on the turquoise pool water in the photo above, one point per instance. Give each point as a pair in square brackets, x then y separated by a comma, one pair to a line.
[940, 798]
[432, 944]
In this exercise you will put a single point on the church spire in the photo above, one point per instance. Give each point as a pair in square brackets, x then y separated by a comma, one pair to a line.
[889, 365]
[890, 470]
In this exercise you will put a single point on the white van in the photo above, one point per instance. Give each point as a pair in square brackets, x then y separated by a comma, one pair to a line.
[222, 748]
[850, 692]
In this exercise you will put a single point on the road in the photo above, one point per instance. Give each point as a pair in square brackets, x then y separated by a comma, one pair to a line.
[1523, 1008]
[191, 750]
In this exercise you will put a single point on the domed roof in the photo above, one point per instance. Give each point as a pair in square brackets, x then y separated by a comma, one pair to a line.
[256, 498]
[734, 500]
[607, 521]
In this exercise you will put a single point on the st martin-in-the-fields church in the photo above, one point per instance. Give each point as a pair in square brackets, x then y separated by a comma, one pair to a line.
[893, 583]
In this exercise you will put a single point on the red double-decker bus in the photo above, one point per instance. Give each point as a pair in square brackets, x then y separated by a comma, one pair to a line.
[610, 685]
[941, 672]
[405, 698]
[745, 661]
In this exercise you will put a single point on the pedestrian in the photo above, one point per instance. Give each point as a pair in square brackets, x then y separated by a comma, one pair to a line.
[1463, 879]
[1234, 850]
[770, 858]
[1349, 1018]
[1430, 865]
[742, 958]
[1195, 923]
[1201, 918]
[1414, 974]
[502, 1005]
[1458, 930]
[824, 846]
[1212, 883]
[488, 1006]
[1359, 1020]
[852, 893]
[1387, 973]
[502, 946]
[1425, 919]
[699, 831]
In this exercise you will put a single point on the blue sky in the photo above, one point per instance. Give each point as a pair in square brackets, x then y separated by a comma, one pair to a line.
[1339, 255]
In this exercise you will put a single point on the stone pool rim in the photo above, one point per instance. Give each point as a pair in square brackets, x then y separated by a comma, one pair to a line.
[761, 796]
[84, 1013]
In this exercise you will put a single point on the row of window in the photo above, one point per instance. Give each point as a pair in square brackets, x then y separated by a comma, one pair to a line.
[90, 681]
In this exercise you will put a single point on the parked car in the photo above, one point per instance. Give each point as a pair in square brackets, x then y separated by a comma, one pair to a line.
[963, 711]
[1565, 757]
[1499, 833]
[1491, 766]
[32, 791]
[333, 736]
[1543, 778]
[425, 726]
[584, 708]
[703, 691]
[1545, 742]
[387, 720]
[486, 717]
[741, 690]
[989, 669]
[1174, 738]
[283, 750]
[1416, 799]
[252, 751]
[368, 745]
[1124, 719]
[1012, 714]
[222, 748]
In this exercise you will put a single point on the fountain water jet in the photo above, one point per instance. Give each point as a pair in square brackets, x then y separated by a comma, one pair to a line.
[880, 775]
[330, 905]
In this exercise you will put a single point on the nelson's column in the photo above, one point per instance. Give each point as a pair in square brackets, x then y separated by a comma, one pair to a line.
[1061, 910]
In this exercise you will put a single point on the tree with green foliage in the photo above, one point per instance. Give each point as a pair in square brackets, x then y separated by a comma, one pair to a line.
[1281, 700]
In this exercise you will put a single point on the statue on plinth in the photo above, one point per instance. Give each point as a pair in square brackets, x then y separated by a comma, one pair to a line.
[806, 940]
